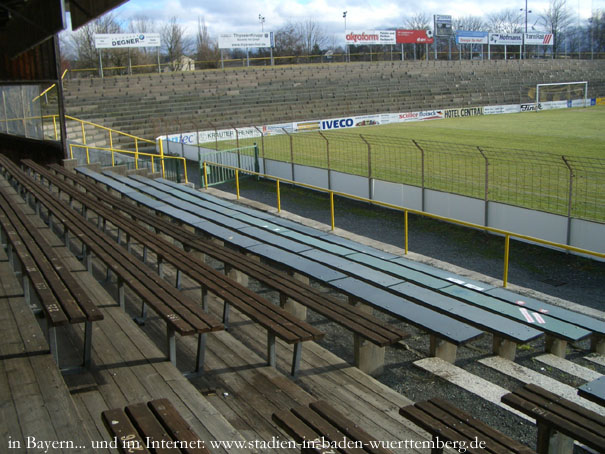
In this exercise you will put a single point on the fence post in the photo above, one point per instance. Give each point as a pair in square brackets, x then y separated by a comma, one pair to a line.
[5, 111]
[569, 201]
[422, 174]
[485, 199]
[328, 159]
[332, 210]
[215, 135]
[370, 185]
[256, 163]
[406, 230]
[506, 257]
[291, 153]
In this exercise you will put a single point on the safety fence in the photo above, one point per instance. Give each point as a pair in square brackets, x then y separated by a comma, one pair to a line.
[566, 185]
[207, 168]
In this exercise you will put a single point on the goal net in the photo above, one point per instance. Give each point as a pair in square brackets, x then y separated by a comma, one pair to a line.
[574, 94]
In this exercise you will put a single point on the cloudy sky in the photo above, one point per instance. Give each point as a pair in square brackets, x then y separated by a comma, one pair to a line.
[242, 15]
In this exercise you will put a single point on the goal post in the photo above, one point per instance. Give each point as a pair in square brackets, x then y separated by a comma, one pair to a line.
[574, 93]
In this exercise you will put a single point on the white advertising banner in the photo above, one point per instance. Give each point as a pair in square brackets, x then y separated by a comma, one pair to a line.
[506, 109]
[378, 37]
[123, 40]
[506, 39]
[245, 40]
[539, 39]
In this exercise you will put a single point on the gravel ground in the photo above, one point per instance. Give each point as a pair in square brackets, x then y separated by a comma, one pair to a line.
[555, 275]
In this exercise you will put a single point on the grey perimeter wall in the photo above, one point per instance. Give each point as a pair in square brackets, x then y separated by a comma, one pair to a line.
[559, 229]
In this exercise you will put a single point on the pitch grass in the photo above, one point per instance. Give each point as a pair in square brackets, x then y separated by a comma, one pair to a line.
[535, 178]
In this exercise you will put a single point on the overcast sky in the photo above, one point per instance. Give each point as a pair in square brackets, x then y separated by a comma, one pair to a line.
[242, 15]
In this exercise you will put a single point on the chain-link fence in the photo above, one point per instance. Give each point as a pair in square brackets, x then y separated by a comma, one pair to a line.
[565, 185]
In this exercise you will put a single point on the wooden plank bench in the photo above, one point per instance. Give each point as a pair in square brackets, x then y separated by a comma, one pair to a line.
[559, 421]
[181, 314]
[448, 424]
[62, 300]
[155, 426]
[560, 325]
[277, 321]
[321, 429]
[291, 289]
[444, 337]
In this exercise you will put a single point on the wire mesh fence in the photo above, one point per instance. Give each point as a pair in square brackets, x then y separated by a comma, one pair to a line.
[565, 185]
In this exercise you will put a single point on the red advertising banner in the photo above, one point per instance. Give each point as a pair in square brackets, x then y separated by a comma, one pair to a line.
[414, 37]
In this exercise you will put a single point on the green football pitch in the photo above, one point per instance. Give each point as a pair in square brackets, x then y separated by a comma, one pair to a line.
[526, 159]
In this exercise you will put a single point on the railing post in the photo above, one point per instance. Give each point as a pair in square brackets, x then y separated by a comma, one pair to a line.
[205, 175]
[162, 158]
[332, 224]
[83, 132]
[278, 198]
[506, 257]
[185, 170]
[422, 173]
[136, 153]
[71, 151]
[569, 202]
[486, 195]
[328, 163]
[406, 230]
[87, 156]
[237, 183]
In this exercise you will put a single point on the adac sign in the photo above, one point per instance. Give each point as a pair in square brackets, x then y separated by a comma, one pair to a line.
[337, 123]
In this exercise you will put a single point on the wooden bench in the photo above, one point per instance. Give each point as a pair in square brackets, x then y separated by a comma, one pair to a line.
[448, 424]
[181, 314]
[277, 321]
[44, 274]
[293, 292]
[445, 337]
[321, 429]
[559, 421]
[155, 426]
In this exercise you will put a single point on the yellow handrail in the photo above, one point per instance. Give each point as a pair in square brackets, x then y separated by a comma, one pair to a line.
[507, 234]
[49, 88]
[137, 154]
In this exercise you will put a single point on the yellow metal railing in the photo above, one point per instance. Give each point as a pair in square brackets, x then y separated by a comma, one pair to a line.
[507, 235]
[136, 155]
[50, 88]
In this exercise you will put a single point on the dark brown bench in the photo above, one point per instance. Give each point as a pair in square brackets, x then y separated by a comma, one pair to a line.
[361, 323]
[181, 314]
[277, 321]
[152, 427]
[457, 429]
[559, 420]
[321, 429]
[44, 274]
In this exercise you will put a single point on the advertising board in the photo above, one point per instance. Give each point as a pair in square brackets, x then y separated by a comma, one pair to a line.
[124, 40]
[513, 39]
[471, 37]
[378, 37]
[443, 25]
[539, 39]
[463, 112]
[245, 40]
[414, 37]
[506, 109]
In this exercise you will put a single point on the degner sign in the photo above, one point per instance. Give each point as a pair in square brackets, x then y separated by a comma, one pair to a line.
[121, 40]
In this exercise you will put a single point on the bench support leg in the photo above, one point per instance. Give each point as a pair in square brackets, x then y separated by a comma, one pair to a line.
[236, 275]
[171, 345]
[443, 349]
[369, 357]
[160, 266]
[296, 357]
[87, 344]
[555, 346]
[141, 319]
[226, 309]
[204, 298]
[179, 279]
[504, 348]
[597, 344]
[201, 353]
[52, 341]
[553, 442]
[271, 361]
[88, 258]
[121, 293]
[144, 254]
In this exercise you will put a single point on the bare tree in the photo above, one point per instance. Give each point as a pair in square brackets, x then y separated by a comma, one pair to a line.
[312, 35]
[207, 50]
[142, 24]
[469, 23]
[557, 19]
[288, 40]
[506, 21]
[174, 42]
[419, 21]
[81, 44]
